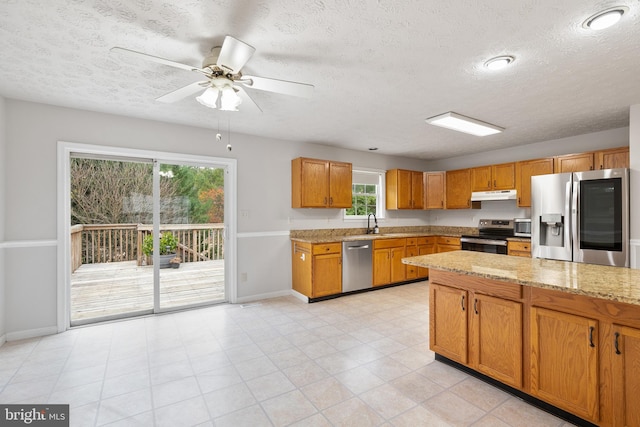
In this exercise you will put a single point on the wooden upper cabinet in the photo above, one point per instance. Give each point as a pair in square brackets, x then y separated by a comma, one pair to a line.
[524, 171]
[340, 179]
[574, 163]
[458, 189]
[320, 184]
[404, 189]
[494, 177]
[481, 178]
[503, 176]
[417, 190]
[434, 190]
[613, 158]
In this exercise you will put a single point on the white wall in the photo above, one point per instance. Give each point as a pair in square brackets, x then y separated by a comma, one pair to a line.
[634, 160]
[264, 185]
[2, 214]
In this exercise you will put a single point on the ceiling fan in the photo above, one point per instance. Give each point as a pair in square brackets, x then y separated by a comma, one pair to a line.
[224, 85]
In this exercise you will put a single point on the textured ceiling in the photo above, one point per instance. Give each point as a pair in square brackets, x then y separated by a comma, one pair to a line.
[379, 67]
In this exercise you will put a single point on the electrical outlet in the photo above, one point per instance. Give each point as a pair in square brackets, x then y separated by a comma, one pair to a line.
[244, 214]
[243, 277]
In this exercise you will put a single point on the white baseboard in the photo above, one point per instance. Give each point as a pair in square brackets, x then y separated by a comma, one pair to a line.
[242, 300]
[298, 295]
[31, 333]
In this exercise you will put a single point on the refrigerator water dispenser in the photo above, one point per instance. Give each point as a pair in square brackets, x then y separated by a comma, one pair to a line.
[551, 230]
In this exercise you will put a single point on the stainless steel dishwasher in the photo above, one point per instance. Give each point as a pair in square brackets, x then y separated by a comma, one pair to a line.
[356, 265]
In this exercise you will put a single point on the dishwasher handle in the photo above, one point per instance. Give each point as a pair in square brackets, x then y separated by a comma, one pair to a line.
[351, 248]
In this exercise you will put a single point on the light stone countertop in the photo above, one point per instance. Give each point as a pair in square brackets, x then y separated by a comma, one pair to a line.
[355, 237]
[336, 235]
[609, 283]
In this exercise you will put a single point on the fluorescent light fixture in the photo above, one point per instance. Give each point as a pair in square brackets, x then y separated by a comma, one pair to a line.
[499, 62]
[464, 124]
[605, 19]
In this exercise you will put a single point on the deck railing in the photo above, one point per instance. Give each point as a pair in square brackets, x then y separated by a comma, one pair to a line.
[91, 244]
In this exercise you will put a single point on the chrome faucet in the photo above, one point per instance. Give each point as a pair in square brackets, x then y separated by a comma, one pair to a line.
[375, 229]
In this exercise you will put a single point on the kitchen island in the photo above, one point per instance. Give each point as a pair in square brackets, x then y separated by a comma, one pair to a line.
[563, 335]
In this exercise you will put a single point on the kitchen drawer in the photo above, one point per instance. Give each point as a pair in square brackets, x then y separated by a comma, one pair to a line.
[519, 246]
[412, 241]
[522, 249]
[388, 243]
[327, 248]
[444, 240]
[430, 240]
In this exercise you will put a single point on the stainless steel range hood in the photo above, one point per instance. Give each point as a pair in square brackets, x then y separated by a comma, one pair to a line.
[481, 196]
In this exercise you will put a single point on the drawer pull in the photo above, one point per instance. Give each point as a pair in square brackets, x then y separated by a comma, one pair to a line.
[591, 329]
[616, 343]
[462, 302]
[475, 305]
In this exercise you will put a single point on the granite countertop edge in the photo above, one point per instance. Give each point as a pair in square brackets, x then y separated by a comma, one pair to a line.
[618, 287]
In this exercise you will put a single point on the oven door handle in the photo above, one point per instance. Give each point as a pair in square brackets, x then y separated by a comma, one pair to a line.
[483, 241]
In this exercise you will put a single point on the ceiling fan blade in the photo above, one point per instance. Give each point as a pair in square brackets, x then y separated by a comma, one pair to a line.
[234, 54]
[183, 92]
[157, 59]
[248, 103]
[279, 86]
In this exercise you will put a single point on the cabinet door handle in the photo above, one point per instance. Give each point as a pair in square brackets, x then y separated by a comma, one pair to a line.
[475, 305]
[325, 201]
[330, 201]
[489, 184]
[616, 343]
[591, 329]
[495, 183]
[462, 302]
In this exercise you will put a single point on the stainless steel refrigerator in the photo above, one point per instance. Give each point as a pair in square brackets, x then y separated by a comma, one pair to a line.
[581, 217]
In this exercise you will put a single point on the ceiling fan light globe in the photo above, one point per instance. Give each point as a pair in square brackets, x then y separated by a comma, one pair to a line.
[209, 97]
[229, 99]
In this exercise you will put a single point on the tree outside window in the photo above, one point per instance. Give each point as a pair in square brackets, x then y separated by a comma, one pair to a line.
[364, 200]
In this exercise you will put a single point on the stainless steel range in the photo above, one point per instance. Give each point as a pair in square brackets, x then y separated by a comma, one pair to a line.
[492, 237]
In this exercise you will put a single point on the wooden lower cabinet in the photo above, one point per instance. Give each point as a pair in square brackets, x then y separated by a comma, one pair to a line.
[316, 268]
[496, 338]
[446, 244]
[626, 375]
[387, 261]
[564, 361]
[426, 246]
[477, 330]
[448, 322]
[577, 353]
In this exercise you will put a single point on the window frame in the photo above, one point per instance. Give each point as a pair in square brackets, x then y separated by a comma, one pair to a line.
[380, 194]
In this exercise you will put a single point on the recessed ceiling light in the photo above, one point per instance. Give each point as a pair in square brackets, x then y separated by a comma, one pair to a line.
[499, 62]
[605, 19]
[464, 124]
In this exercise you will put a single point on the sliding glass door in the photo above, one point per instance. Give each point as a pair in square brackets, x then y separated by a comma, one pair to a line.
[145, 236]
[191, 236]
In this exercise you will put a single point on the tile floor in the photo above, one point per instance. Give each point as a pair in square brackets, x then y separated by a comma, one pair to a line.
[361, 360]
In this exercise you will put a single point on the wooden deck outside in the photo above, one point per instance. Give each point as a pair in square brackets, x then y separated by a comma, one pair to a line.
[116, 288]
